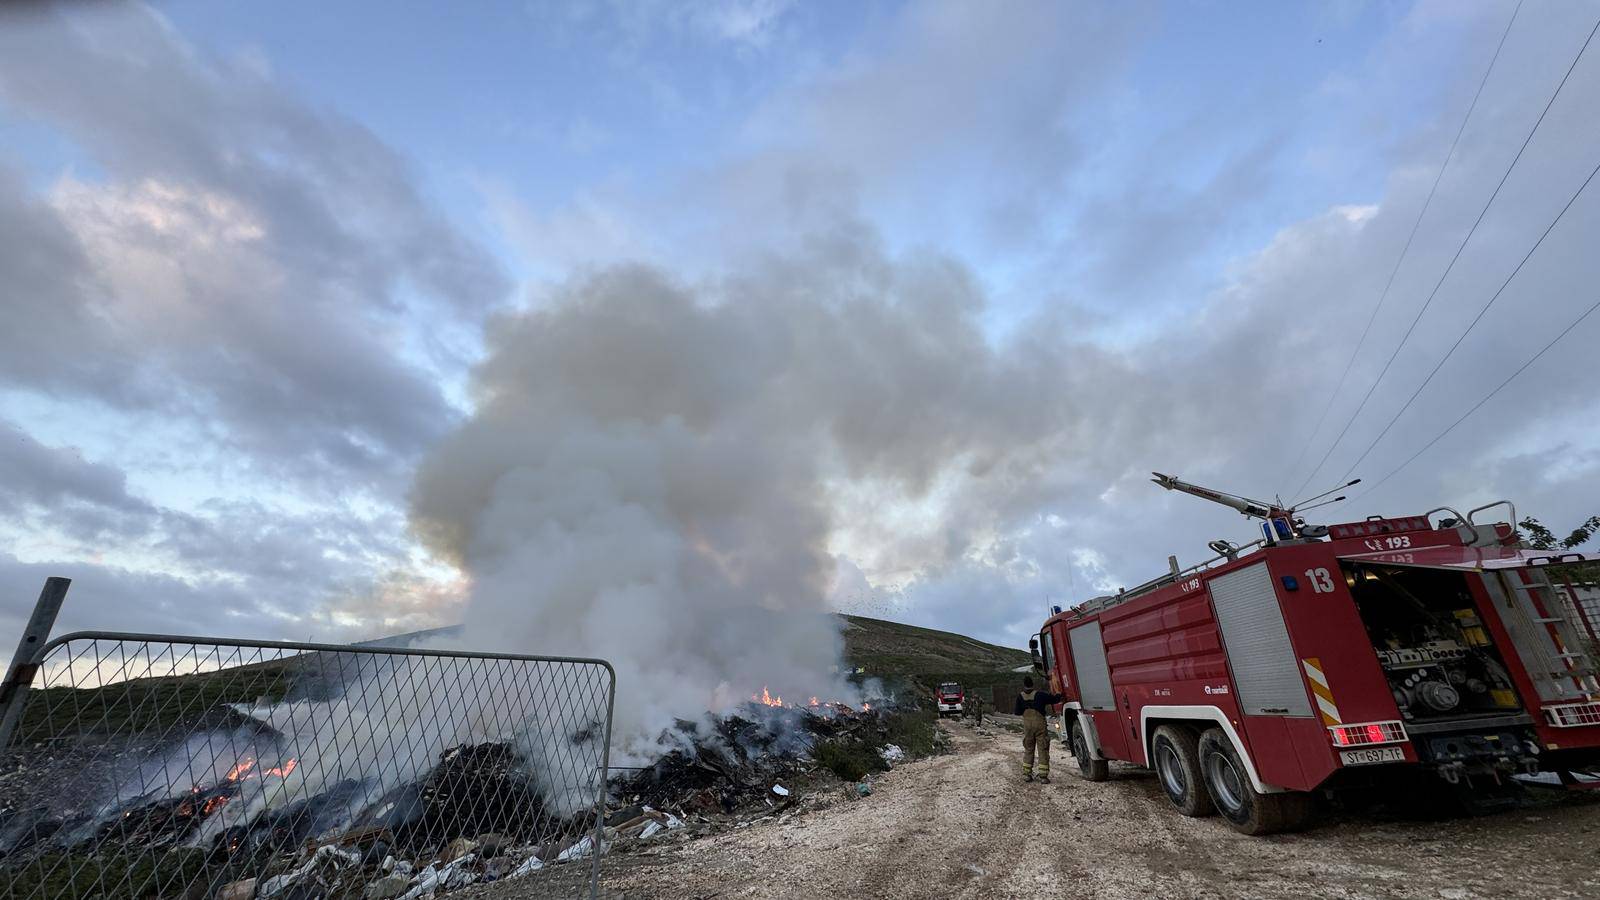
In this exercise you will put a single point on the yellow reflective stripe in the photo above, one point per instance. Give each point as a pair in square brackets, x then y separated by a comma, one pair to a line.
[1320, 690]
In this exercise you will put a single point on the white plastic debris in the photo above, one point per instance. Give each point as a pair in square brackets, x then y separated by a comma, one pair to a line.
[651, 830]
[457, 874]
[576, 851]
[780, 790]
[426, 883]
[328, 857]
[892, 754]
[530, 865]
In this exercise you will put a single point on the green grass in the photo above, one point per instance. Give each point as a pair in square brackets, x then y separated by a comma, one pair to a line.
[854, 757]
[893, 648]
[147, 705]
[131, 874]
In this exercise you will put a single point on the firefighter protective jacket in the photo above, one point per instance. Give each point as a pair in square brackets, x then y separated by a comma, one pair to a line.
[1038, 701]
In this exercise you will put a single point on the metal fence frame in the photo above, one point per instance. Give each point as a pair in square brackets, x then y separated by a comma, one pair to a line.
[12, 711]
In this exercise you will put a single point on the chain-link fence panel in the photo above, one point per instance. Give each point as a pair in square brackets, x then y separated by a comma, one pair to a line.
[145, 766]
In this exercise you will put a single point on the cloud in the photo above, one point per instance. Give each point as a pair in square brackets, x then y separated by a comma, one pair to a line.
[49, 334]
[259, 569]
[237, 258]
[747, 382]
[957, 126]
[747, 25]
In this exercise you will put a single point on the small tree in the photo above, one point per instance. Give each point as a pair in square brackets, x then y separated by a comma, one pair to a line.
[1542, 538]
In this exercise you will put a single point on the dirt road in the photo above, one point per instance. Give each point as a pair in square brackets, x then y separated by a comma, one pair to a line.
[964, 825]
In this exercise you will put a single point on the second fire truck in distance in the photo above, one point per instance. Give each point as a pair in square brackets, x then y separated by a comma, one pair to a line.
[951, 699]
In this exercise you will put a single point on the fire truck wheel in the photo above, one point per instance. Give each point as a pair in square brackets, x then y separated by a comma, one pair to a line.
[1090, 768]
[1175, 755]
[1248, 810]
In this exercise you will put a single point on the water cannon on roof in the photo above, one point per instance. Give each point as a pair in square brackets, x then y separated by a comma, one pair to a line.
[1279, 523]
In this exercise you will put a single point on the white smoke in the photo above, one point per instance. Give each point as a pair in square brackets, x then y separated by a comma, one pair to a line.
[662, 474]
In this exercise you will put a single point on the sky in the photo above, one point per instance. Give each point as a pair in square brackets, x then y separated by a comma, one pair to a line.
[316, 320]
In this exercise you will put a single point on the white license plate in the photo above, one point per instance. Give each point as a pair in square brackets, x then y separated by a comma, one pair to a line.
[1371, 755]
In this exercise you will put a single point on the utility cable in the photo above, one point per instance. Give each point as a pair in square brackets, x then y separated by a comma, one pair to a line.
[1490, 396]
[1365, 332]
[1447, 270]
[1474, 324]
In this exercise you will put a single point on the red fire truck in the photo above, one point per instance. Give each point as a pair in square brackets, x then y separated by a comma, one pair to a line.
[951, 699]
[1324, 657]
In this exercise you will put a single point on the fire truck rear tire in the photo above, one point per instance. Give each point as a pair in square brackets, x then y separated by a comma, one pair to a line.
[1248, 810]
[1089, 768]
[1175, 755]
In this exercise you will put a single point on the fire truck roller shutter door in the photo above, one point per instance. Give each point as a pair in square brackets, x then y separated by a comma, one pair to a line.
[1266, 670]
[1089, 656]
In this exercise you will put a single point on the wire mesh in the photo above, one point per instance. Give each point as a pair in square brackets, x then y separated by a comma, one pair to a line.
[147, 766]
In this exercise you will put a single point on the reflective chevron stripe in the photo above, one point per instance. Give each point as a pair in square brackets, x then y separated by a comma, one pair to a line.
[1321, 691]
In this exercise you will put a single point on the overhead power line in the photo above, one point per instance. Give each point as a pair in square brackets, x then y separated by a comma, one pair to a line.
[1378, 307]
[1475, 321]
[1448, 268]
[1487, 397]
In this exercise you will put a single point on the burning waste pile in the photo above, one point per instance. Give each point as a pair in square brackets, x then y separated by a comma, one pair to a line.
[412, 776]
[303, 798]
[758, 761]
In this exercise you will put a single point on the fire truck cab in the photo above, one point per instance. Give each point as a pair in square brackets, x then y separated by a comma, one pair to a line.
[951, 699]
[1324, 656]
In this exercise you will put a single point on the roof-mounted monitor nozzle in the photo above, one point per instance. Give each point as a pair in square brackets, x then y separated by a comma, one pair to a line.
[1279, 522]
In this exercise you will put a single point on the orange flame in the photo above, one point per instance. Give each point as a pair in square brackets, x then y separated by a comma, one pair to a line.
[766, 698]
[246, 768]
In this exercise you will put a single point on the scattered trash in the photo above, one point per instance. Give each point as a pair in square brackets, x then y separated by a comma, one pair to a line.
[529, 865]
[492, 844]
[577, 851]
[863, 789]
[426, 883]
[729, 765]
[782, 791]
[387, 887]
[458, 848]
[459, 873]
[892, 754]
[316, 876]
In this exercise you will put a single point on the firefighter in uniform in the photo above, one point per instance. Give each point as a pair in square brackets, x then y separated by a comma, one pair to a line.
[1032, 706]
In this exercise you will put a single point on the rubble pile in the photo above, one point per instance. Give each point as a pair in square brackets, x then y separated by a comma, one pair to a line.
[746, 765]
[474, 816]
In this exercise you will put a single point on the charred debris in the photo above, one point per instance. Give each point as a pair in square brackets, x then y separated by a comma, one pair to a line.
[477, 814]
[730, 767]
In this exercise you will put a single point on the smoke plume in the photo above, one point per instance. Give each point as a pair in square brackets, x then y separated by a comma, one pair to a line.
[670, 475]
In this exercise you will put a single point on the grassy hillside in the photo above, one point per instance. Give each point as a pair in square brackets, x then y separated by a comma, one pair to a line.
[921, 658]
[893, 648]
[904, 654]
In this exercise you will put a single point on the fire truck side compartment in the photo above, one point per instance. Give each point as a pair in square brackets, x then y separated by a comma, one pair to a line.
[1265, 669]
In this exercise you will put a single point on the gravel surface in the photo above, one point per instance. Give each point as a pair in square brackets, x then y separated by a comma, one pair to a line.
[964, 825]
